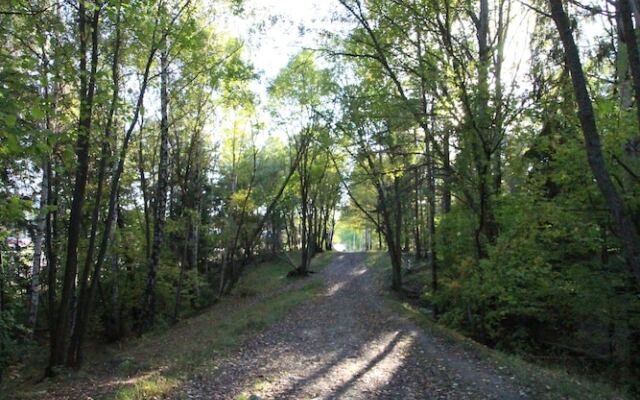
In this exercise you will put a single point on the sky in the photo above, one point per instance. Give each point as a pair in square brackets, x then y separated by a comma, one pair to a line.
[272, 31]
[280, 35]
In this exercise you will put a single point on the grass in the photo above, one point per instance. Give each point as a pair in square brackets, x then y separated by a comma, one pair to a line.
[548, 383]
[259, 386]
[269, 282]
[161, 361]
[148, 388]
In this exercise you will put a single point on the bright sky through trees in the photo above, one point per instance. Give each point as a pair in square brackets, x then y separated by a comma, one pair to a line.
[154, 152]
[275, 30]
[286, 27]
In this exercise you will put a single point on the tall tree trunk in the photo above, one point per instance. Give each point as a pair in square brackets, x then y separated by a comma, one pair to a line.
[626, 10]
[183, 262]
[195, 246]
[288, 233]
[378, 230]
[51, 240]
[497, 137]
[429, 148]
[228, 255]
[112, 210]
[331, 230]
[304, 214]
[483, 146]
[396, 235]
[87, 89]
[84, 297]
[431, 187]
[2, 289]
[416, 215]
[161, 194]
[2, 307]
[41, 222]
[145, 196]
[622, 218]
[116, 330]
[446, 179]
[184, 259]
[631, 43]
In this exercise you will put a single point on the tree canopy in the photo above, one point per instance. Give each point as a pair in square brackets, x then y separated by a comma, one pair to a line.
[146, 163]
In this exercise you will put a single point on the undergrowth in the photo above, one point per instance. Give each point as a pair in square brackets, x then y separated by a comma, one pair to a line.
[159, 362]
[547, 382]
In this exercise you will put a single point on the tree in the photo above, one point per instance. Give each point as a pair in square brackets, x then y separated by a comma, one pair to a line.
[619, 210]
[87, 76]
[303, 88]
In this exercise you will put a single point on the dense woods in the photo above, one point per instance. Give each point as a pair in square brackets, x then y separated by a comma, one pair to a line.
[142, 171]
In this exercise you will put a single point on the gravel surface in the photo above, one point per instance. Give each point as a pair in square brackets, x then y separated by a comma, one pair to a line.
[348, 344]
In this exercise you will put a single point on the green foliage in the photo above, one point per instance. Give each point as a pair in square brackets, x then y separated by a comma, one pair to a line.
[541, 289]
[8, 347]
[547, 382]
[129, 367]
[444, 149]
[302, 81]
[231, 328]
[455, 243]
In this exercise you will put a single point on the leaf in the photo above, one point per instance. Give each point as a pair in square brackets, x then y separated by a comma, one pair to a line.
[10, 120]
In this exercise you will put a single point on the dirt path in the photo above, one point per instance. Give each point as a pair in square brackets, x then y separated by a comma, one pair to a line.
[348, 344]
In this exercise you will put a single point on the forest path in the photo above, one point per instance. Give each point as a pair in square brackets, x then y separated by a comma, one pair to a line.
[348, 344]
